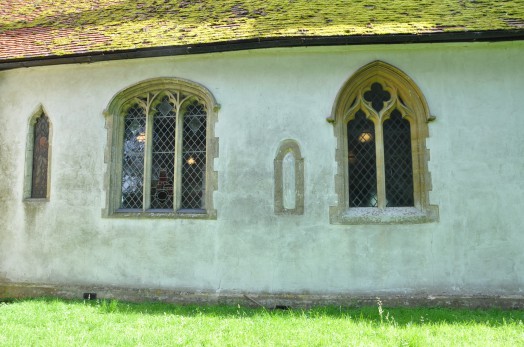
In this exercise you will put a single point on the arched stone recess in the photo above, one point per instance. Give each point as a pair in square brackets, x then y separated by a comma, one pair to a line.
[289, 179]
[37, 176]
[182, 95]
[395, 94]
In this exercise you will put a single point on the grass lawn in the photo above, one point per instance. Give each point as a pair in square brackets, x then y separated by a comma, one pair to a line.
[51, 322]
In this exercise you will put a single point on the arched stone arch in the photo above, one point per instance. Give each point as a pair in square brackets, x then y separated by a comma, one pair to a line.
[37, 177]
[378, 90]
[289, 178]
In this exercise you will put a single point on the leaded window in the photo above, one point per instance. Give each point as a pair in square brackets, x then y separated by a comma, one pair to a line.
[398, 168]
[40, 157]
[380, 120]
[161, 150]
[133, 158]
[164, 153]
[362, 164]
[394, 144]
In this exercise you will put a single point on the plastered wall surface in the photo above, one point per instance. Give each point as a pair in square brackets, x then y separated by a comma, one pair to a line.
[475, 90]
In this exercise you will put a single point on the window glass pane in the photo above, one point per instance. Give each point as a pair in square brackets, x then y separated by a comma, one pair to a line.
[40, 158]
[133, 158]
[362, 168]
[163, 155]
[193, 156]
[398, 161]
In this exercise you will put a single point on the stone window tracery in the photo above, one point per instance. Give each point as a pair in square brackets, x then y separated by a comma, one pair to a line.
[380, 120]
[162, 150]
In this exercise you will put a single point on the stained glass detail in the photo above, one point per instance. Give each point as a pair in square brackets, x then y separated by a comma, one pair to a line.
[377, 96]
[163, 155]
[171, 155]
[398, 161]
[362, 169]
[40, 157]
[133, 158]
[193, 156]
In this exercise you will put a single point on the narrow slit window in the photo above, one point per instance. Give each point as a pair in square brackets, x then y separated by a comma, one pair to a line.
[40, 158]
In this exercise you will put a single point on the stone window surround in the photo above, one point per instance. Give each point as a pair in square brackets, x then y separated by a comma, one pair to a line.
[285, 147]
[28, 165]
[405, 93]
[113, 154]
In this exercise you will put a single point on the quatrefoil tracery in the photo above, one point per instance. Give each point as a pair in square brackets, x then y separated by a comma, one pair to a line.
[377, 96]
[377, 100]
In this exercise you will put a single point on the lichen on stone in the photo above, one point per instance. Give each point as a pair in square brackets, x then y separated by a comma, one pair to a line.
[112, 25]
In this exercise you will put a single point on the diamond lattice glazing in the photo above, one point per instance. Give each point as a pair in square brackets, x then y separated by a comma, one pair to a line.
[133, 158]
[163, 155]
[193, 156]
[398, 161]
[362, 171]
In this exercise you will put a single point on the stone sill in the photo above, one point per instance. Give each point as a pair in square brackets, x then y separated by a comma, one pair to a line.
[391, 215]
[168, 214]
[36, 200]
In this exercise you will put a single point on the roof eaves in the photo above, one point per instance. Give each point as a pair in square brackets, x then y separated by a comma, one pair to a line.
[238, 45]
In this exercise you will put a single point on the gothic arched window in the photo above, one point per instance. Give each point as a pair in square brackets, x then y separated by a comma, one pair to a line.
[380, 120]
[38, 154]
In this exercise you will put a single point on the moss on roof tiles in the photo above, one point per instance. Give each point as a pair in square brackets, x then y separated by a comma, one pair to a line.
[112, 25]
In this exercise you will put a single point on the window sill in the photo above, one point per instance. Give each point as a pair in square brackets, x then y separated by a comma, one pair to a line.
[168, 214]
[392, 215]
[36, 200]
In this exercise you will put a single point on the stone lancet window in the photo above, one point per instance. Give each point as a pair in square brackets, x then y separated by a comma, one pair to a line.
[380, 120]
[164, 150]
[40, 157]
[38, 154]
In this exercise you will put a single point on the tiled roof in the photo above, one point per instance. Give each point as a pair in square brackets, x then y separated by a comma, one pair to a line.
[45, 28]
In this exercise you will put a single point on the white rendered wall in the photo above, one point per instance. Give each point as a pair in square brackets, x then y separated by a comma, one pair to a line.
[475, 90]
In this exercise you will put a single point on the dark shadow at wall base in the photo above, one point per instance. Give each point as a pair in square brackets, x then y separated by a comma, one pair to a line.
[10, 291]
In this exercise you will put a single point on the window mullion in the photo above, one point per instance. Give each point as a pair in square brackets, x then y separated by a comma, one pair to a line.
[148, 159]
[177, 184]
[381, 175]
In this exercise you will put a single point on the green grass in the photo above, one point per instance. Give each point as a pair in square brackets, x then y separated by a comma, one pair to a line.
[51, 322]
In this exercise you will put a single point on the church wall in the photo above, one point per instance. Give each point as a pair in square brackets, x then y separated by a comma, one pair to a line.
[475, 91]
